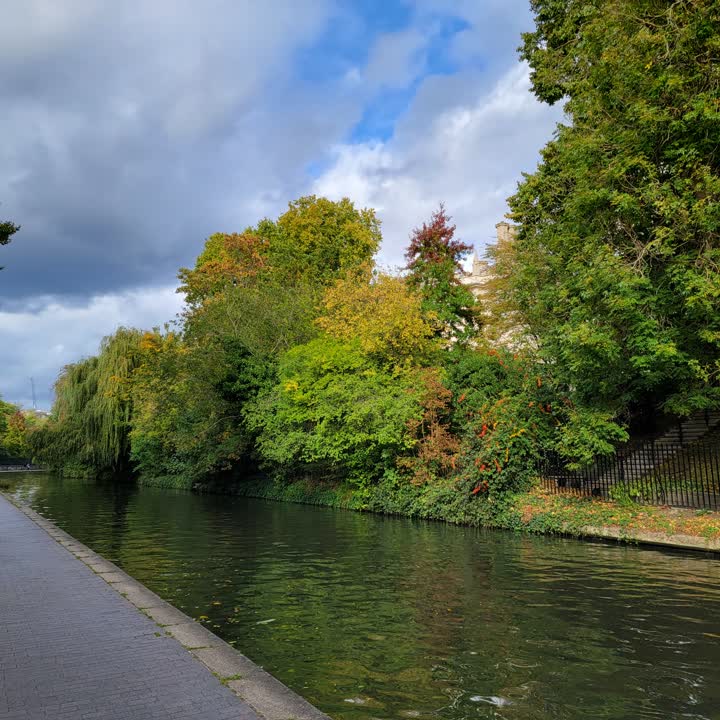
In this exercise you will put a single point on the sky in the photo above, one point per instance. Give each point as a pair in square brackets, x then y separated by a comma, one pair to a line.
[131, 131]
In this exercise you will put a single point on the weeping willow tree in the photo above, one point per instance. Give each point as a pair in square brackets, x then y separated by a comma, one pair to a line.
[89, 429]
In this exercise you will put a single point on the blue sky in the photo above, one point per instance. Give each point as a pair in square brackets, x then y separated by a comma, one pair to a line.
[134, 130]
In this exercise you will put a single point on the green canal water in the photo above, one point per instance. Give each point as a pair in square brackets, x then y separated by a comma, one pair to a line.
[372, 617]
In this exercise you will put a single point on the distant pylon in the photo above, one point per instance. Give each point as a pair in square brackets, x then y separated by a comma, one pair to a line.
[32, 385]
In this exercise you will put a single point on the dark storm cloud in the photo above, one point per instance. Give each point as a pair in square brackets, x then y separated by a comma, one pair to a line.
[133, 130]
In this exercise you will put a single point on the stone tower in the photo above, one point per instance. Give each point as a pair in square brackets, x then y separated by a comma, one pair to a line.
[482, 271]
[505, 232]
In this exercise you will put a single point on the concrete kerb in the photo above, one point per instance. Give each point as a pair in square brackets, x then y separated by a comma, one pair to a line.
[678, 541]
[264, 693]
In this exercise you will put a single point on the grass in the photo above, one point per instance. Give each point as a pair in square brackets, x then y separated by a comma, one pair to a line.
[545, 512]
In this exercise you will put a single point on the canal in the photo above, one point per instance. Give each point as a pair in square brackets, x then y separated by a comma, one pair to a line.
[373, 617]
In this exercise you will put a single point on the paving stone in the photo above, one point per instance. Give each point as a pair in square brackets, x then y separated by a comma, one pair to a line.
[113, 577]
[272, 699]
[101, 566]
[166, 615]
[71, 648]
[224, 661]
[192, 635]
[138, 595]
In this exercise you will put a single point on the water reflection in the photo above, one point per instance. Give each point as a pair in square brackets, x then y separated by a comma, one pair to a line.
[372, 617]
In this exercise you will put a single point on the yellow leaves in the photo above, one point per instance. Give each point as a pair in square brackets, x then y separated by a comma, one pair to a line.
[150, 342]
[382, 312]
[291, 386]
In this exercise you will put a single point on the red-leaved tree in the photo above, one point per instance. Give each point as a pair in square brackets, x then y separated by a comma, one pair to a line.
[434, 261]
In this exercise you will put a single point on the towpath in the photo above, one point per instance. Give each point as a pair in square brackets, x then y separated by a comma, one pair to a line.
[73, 648]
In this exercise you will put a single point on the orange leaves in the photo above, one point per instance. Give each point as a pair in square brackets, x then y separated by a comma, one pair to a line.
[436, 449]
[482, 487]
[228, 259]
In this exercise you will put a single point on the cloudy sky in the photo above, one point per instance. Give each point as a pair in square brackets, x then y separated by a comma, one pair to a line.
[133, 130]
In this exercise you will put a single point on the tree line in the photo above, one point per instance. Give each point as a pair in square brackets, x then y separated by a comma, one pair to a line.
[297, 355]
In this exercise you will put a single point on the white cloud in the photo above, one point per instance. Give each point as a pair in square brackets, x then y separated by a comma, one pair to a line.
[37, 344]
[468, 151]
[396, 59]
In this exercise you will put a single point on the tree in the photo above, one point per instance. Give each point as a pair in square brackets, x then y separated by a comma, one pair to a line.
[383, 313]
[615, 267]
[15, 440]
[11, 432]
[503, 415]
[90, 425]
[188, 400]
[334, 414]
[7, 230]
[251, 298]
[434, 261]
[226, 260]
[318, 240]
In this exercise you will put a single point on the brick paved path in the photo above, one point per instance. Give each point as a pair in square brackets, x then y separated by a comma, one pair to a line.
[71, 648]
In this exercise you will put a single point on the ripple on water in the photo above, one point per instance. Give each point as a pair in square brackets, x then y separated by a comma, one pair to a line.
[371, 617]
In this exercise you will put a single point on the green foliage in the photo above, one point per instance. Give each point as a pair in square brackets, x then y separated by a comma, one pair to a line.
[13, 433]
[318, 240]
[268, 317]
[226, 261]
[384, 314]
[251, 298]
[295, 353]
[6, 411]
[93, 408]
[188, 399]
[15, 441]
[615, 266]
[334, 414]
[7, 230]
[503, 417]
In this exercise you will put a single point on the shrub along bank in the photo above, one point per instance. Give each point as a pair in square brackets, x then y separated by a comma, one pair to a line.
[533, 511]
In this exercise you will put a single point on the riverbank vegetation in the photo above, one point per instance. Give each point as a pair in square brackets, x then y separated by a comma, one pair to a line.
[16, 427]
[400, 391]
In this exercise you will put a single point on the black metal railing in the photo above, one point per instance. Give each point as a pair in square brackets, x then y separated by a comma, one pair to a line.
[655, 473]
[19, 467]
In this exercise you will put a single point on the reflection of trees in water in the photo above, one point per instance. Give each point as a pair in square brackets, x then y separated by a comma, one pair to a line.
[94, 512]
[402, 616]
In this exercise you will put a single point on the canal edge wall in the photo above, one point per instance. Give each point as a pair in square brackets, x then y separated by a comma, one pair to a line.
[642, 537]
[264, 693]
